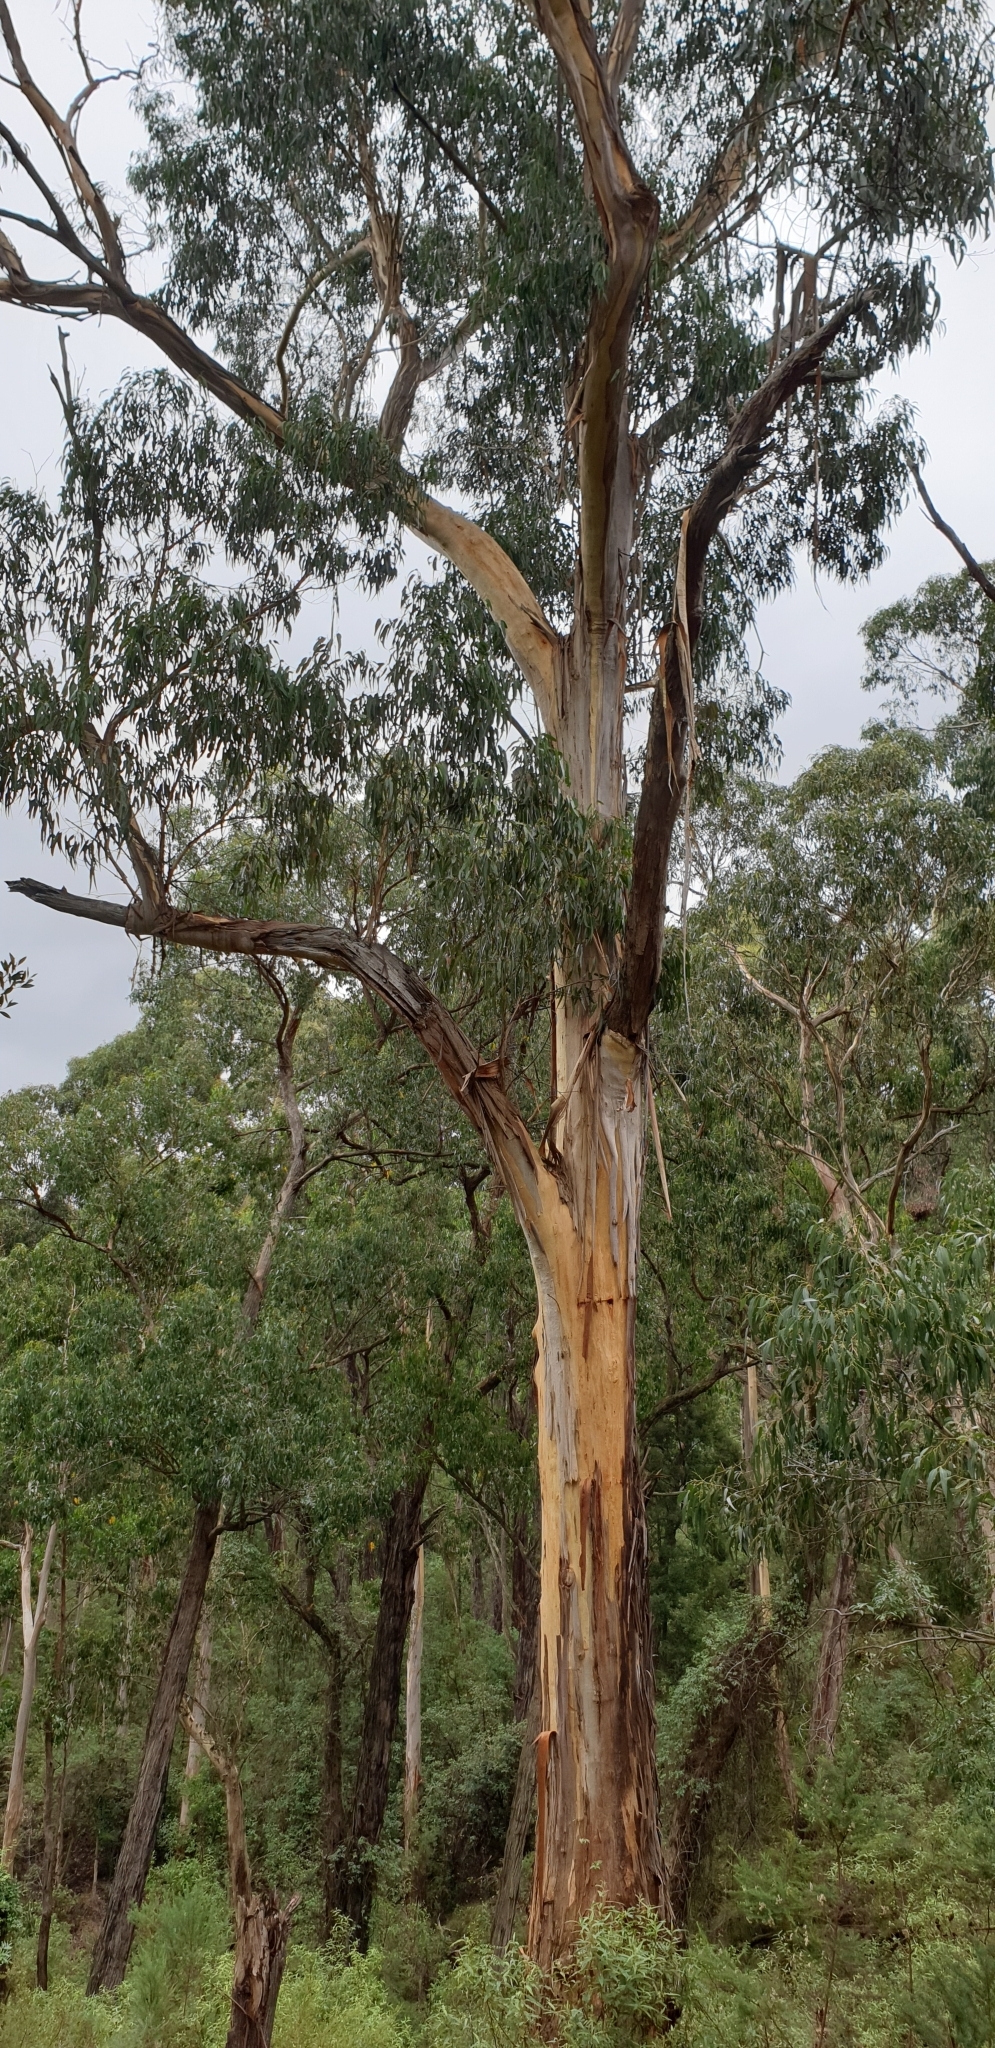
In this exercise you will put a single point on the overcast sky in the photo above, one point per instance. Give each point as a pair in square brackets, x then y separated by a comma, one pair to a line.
[810, 636]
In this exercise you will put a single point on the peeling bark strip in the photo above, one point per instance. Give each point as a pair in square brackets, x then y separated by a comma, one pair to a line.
[110, 1957]
[598, 1798]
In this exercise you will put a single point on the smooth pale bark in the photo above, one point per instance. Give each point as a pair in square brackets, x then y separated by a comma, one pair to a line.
[262, 1926]
[54, 1797]
[32, 1623]
[199, 1706]
[827, 1699]
[598, 1802]
[412, 1705]
[110, 1956]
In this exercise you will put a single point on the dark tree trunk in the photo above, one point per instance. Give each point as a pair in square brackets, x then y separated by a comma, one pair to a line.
[350, 1889]
[524, 1615]
[332, 1808]
[744, 1685]
[827, 1700]
[134, 1861]
[262, 1931]
[519, 1824]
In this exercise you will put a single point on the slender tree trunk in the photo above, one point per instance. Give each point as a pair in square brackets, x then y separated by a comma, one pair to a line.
[827, 1700]
[519, 1822]
[32, 1623]
[262, 1926]
[333, 1823]
[201, 1701]
[760, 1590]
[53, 1799]
[744, 1685]
[353, 1877]
[110, 1957]
[412, 1706]
[124, 1668]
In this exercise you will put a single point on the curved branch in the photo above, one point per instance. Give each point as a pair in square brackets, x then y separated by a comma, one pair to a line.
[476, 1089]
[671, 728]
[91, 199]
[974, 569]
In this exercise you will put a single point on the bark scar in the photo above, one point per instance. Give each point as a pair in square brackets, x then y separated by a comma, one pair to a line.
[543, 1741]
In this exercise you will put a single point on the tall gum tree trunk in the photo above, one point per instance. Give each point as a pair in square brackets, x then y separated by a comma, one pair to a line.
[412, 1707]
[201, 1702]
[598, 1803]
[54, 1796]
[262, 1925]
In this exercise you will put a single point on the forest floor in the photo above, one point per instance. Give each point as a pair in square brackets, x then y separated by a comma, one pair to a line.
[866, 1924]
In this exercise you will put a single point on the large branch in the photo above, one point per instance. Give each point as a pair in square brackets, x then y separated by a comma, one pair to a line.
[474, 1086]
[630, 217]
[532, 641]
[671, 716]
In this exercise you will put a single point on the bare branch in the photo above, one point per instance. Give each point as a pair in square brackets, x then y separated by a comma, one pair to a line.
[451, 154]
[974, 569]
[89, 195]
[694, 1393]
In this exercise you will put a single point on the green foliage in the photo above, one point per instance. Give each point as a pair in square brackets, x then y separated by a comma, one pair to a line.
[10, 1917]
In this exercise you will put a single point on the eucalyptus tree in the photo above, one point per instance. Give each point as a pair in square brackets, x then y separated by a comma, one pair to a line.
[521, 255]
[839, 1033]
[940, 644]
[141, 1211]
